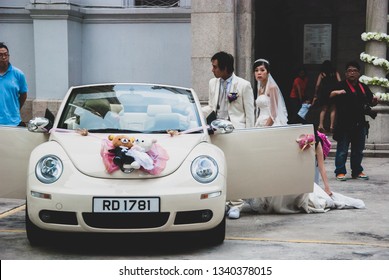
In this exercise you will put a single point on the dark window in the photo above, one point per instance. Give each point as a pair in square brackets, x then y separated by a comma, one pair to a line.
[157, 3]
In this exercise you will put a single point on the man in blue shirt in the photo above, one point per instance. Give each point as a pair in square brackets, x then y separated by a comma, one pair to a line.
[13, 90]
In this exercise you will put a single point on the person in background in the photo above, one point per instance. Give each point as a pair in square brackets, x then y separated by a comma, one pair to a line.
[325, 83]
[230, 97]
[352, 100]
[298, 94]
[13, 90]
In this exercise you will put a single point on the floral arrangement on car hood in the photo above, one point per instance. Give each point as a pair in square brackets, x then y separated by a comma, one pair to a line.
[129, 154]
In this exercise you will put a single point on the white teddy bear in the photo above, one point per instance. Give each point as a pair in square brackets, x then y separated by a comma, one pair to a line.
[139, 152]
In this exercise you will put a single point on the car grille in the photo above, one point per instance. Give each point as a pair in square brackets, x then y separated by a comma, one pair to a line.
[126, 220]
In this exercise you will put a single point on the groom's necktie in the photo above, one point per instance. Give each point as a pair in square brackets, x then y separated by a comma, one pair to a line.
[222, 112]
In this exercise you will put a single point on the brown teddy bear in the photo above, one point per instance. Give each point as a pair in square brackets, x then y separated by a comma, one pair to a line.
[122, 144]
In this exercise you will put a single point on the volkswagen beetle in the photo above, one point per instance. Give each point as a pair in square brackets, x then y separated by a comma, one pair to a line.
[77, 177]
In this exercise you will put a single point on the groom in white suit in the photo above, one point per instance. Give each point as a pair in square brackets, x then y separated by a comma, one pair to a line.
[230, 96]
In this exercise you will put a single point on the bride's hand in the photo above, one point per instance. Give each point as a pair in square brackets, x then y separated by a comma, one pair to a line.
[328, 191]
[269, 122]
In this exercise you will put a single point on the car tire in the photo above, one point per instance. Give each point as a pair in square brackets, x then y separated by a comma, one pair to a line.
[216, 235]
[35, 235]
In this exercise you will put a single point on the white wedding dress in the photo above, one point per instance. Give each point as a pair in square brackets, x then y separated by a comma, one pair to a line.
[317, 201]
[263, 106]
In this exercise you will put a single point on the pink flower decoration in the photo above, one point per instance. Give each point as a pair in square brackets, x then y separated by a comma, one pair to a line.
[305, 141]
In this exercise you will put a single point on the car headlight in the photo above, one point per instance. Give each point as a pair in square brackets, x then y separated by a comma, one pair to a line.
[48, 169]
[204, 169]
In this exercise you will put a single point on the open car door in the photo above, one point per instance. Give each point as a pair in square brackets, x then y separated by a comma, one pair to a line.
[267, 161]
[16, 144]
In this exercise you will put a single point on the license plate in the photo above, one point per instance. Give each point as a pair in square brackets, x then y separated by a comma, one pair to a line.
[125, 204]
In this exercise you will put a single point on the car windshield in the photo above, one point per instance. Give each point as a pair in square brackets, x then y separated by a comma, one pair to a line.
[130, 108]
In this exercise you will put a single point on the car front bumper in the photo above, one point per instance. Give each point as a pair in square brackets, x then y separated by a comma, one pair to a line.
[184, 204]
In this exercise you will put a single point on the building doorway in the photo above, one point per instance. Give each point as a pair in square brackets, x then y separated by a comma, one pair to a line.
[286, 33]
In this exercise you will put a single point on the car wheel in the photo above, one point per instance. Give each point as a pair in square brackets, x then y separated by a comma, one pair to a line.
[35, 235]
[214, 236]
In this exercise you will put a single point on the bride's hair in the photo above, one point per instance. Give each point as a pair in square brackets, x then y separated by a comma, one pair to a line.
[263, 62]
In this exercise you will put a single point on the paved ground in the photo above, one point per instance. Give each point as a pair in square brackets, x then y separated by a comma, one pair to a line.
[336, 235]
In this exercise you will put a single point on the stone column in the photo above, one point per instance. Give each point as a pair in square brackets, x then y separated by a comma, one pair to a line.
[377, 21]
[220, 25]
[244, 39]
[57, 48]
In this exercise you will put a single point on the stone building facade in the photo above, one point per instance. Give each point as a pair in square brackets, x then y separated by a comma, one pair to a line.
[61, 43]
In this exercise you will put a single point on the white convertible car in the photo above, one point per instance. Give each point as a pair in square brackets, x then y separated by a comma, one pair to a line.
[140, 158]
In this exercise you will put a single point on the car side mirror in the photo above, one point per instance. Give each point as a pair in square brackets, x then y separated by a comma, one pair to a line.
[38, 124]
[221, 126]
[50, 116]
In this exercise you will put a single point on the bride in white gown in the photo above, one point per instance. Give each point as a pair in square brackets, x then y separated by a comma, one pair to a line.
[270, 103]
[271, 111]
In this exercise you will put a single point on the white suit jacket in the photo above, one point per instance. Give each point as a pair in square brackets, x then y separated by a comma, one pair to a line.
[241, 110]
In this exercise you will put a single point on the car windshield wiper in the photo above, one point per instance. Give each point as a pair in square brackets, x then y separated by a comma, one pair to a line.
[178, 130]
[162, 131]
[113, 130]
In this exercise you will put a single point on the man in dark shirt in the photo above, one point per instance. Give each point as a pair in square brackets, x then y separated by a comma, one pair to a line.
[353, 100]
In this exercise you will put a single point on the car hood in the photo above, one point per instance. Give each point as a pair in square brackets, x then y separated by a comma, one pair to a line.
[85, 152]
